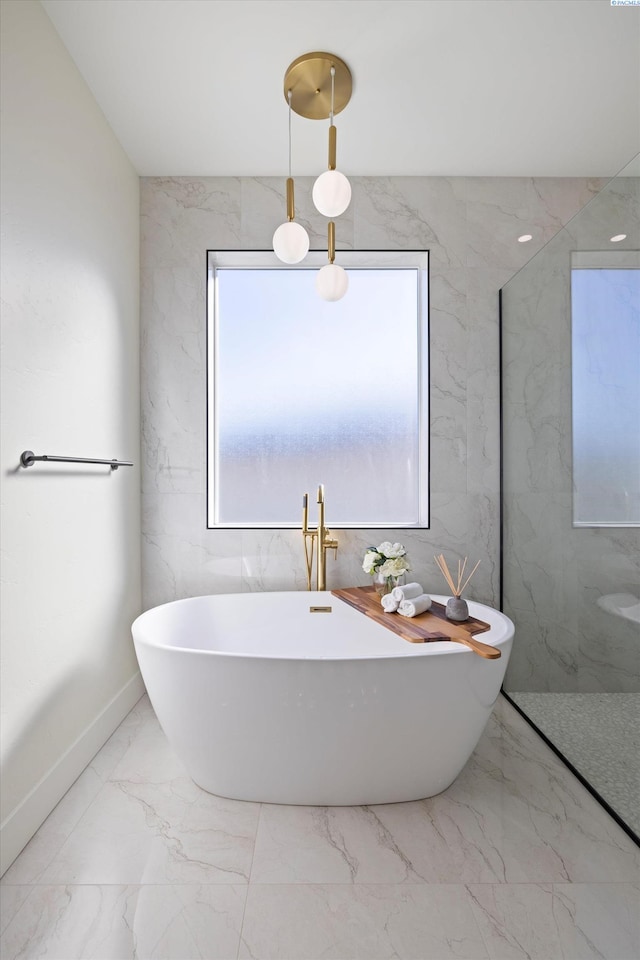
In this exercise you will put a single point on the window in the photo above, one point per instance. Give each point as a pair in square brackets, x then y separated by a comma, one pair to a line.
[605, 334]
[302, 392]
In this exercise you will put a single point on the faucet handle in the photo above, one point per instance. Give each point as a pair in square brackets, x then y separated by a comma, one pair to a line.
[330, 543]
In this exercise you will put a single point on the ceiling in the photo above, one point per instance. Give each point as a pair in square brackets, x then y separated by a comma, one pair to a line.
[441, 87]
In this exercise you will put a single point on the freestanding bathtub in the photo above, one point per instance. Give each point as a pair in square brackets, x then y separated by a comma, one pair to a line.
[264, 700]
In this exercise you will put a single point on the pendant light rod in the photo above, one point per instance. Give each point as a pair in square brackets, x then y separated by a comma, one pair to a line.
[331, 241]
[332, 146]
[291, 205]
[290, 95]
[333, 92]
[332, 129]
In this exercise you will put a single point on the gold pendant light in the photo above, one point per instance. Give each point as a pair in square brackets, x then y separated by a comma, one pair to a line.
[317, 86]
[320, 84]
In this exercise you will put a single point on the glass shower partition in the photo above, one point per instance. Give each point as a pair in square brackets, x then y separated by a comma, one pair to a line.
[570, 347]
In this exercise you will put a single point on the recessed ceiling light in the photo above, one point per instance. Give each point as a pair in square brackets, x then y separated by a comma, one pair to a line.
[525, 238]
[618, 237]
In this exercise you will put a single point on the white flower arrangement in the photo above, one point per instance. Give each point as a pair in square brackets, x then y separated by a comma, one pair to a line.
[388, 560]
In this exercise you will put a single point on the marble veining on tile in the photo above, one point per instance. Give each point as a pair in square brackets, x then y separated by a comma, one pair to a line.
[148, 832]
[115, 921]
[564, 921]
[515, 860]
[364, 922]
[328, 845]
[469, 226]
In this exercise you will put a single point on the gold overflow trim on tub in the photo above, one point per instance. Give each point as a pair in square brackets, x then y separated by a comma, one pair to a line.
[320, 609]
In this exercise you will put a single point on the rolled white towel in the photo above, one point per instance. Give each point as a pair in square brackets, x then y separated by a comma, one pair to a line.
[408, 592]
[389, 605]
[411, 608]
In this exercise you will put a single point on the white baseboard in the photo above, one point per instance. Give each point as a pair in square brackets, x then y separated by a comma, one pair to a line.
[21, 824]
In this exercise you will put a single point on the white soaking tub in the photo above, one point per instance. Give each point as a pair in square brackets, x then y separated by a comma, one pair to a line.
[264, 700]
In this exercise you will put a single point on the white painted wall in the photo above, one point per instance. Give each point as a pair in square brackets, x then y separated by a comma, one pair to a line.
[70, 386]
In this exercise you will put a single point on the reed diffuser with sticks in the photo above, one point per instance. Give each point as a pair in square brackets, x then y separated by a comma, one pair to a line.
[456, 608]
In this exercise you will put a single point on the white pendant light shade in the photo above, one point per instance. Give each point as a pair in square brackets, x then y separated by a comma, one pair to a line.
[291, 242]
[332, 282]
[331, 193]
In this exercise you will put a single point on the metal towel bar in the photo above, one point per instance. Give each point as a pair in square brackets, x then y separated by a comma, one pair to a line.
[28, 458]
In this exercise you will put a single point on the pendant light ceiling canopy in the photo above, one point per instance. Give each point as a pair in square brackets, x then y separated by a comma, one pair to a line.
[317, 86]
[309, 80]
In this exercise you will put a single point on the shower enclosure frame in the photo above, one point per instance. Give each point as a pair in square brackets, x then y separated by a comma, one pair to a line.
[574, 770]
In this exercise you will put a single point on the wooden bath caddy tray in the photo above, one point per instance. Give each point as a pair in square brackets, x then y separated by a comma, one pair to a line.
[425, 628]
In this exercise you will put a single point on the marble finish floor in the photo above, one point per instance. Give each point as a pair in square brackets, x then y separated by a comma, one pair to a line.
[599, 733]
[515, 860]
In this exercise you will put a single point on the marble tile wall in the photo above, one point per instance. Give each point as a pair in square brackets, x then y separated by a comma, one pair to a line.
[555, 575]
[470, 226]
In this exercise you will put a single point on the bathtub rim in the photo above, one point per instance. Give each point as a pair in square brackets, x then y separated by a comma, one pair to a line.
[434, 648]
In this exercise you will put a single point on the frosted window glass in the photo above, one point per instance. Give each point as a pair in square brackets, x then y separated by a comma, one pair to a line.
[606, 396]
[308, 392]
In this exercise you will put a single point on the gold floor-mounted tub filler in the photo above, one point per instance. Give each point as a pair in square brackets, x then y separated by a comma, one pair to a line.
[320, 536]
